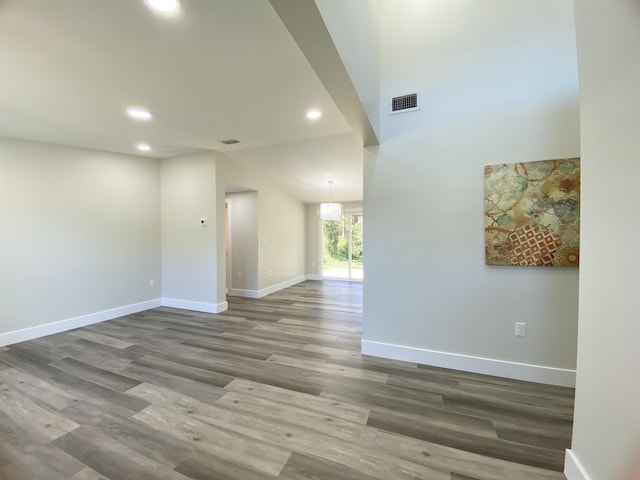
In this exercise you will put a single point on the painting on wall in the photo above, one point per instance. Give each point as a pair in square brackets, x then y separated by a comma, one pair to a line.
[532, 213]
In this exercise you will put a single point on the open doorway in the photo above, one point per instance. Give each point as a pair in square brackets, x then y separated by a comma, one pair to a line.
[241, 230]
[342, 246]
[226, 245]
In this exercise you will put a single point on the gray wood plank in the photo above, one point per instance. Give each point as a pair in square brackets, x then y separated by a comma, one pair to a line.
[305, 467]
[175, 367]
[100, 376]
[193, 388]
[25, 457]
[343, 410]
[218, 468]
[43, 393]
[39, 423]
[136, 436]
[111, 458]
[481, 444]
[99, 338]
[274, 388]
[227, 443]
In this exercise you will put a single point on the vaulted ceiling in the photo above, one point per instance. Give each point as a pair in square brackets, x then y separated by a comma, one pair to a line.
[216, 69]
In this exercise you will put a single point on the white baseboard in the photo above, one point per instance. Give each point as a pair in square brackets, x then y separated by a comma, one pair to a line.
[76, 322]
[573, 469]
[239, 292]
[311, 276]
[281, 286]
[195, 306]
[468, 363]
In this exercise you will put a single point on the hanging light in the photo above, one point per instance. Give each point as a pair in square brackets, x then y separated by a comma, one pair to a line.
[330, 211]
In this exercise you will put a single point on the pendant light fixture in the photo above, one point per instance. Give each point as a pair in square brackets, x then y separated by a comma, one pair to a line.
[330, 211]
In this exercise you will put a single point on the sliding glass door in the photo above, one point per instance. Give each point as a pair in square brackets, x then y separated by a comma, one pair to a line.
[342, 246]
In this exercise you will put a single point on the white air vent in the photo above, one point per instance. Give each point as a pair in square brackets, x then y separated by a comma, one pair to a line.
[404, 103]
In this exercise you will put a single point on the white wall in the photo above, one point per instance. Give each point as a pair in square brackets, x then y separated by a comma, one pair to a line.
[281, 228]
[353, 26]
[313, 247]
[84, 232]
[190, 251]
[243, 240]
[80, 233]
[606, 436]
[497, 83]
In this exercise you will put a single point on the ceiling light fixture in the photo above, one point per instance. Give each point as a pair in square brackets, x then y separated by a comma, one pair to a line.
[165, 6]
[143, 147]
[330, 211]
[139, 113]
[314, 114]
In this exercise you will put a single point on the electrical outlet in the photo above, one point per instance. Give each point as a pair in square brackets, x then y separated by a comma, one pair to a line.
[271, 273]
[239, 274]
[521, 329]
[152, 283]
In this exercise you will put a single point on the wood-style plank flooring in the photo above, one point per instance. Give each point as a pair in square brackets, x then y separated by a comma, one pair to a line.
[272, 389]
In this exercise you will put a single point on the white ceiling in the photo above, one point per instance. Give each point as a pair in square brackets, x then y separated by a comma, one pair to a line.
[220, 69]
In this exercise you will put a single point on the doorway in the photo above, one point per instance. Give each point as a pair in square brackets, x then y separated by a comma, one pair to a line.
[226, 245]
[342, 246]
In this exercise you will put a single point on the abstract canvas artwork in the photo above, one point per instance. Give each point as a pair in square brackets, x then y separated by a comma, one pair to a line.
[532, 213]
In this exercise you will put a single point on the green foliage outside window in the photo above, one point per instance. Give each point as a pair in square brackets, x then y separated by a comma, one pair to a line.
[336, 238]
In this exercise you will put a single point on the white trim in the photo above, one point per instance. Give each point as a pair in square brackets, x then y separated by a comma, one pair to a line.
[310, 276]
[573, 469]
[281, 286]
[38, 331]
[194, 306]
[468, 363]
[239, 292]
[358, 280]
[319, 246]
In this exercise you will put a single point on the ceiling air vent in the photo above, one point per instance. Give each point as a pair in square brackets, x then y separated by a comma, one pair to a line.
[404, 103]
[229, 141]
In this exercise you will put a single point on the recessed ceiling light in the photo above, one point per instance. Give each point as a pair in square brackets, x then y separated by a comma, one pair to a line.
[143, 147]
[139, 113]
[314, 114]
[164, 5]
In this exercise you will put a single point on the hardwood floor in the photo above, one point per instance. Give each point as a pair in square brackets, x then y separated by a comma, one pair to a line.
[272, 389]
